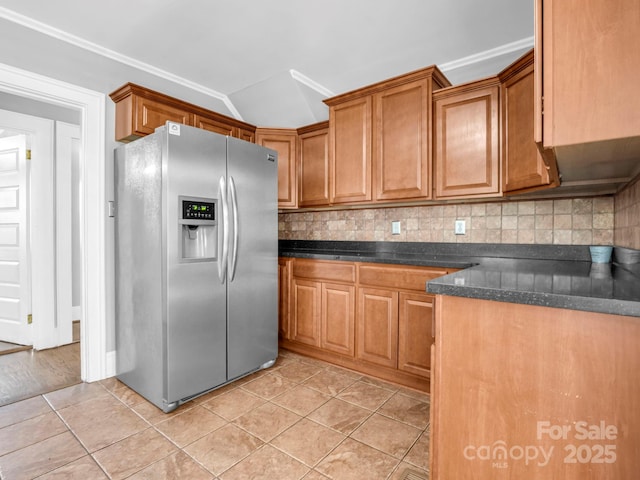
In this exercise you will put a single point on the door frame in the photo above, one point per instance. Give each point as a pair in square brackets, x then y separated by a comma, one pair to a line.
[93, 355]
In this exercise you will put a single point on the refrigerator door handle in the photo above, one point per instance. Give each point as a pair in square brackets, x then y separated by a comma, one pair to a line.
[223, 255]
[234, 252]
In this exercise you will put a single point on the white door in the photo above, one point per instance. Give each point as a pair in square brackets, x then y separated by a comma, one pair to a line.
[15, 288]
[38, 207]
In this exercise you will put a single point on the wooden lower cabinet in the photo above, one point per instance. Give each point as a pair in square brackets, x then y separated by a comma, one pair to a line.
[415, 330]
[305, 311]
[512, 381]
[284, 296]
[378, 326]
[337, 310]
[372, 318]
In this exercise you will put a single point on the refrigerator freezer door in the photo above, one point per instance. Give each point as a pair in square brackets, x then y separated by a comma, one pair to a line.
[194, 160]
[252, 294]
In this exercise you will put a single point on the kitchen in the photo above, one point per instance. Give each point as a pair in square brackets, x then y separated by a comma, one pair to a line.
[582, 219]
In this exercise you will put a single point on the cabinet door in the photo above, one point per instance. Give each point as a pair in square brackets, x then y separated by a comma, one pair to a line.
[337, 318]
[467, 155]
[305, 299]
[284, 142]
[151, 114]
[313, 184]
[284, 300]
[415, 323]
[523, 168]
[378, 326]
[590, 70]
[350, 151]
[402, 158]
[213, 125]
[246, 135]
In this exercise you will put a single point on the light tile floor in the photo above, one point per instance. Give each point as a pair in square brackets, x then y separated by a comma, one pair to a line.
[301, 419]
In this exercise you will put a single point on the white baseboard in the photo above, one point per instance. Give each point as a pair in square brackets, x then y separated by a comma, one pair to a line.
[76, 313]
[111, 364]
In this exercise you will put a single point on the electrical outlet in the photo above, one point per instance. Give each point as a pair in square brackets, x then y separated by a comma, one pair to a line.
[460, 227]
[395, 228]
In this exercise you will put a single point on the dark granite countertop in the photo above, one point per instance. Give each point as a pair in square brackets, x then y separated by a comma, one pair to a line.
[557, 276]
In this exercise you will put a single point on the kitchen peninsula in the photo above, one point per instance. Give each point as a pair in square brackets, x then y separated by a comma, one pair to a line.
[529, 341]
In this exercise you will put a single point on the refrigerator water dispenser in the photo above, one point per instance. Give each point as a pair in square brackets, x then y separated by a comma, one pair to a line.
[199, 232]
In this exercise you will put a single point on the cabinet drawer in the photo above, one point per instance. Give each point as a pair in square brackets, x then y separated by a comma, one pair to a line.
[409, 278]
[325, 270]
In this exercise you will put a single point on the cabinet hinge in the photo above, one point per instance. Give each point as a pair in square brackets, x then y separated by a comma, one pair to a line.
[28, 154]
[29, 319]
[542, 105]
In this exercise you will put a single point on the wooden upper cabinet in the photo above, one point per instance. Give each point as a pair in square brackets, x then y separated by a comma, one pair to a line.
[283, 141]
[350, 151]
[523, 167]
[590, 69]
[380, 139]
[467, 140]
[213, 125]
[246, 135]
[402, 142]
[313, 165]
[139, 111]
[137, 115]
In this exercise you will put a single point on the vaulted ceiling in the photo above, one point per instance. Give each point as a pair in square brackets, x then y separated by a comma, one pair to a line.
[273, 61]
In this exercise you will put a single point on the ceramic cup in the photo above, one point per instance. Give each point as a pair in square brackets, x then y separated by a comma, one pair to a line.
[600, 254]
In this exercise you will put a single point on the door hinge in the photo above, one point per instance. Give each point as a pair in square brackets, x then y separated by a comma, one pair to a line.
[542, 105]
[29, 319]
[28, 154]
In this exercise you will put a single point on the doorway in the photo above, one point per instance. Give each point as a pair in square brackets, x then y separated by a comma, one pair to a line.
[39, 225]
[95, 364]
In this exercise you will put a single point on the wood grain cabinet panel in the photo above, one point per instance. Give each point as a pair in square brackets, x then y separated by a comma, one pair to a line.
[140, 110]
[284, 296]
[378, 326]
[213, 125]
[283, 141]
[151, 114]
[523, 167]
[313, 165]
[372, 318]
[338, 318]
[507, 372]
[467, 140]
[402, 155]
[589, 71]
[306, 304]
[415, 335]
[350, 151]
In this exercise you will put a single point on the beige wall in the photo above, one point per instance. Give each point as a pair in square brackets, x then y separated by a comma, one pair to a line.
[580, 221]
[627, 216]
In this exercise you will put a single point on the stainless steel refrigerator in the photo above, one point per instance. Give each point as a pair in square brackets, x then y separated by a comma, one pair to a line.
[195, 262]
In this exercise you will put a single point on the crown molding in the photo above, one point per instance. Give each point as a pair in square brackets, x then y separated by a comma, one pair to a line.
[312, 84]
[61, 35]
[488, 54]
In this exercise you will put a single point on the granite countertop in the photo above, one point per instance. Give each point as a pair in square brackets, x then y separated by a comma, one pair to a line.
[547, 275]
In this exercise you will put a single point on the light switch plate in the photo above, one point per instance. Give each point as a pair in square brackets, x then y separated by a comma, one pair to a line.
[460, 227]
[395, 228]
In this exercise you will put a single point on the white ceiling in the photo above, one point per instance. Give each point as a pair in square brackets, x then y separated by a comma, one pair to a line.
[273, 61]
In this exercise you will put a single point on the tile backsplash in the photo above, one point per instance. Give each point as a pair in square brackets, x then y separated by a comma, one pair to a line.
[578, 221]
[627, 216]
